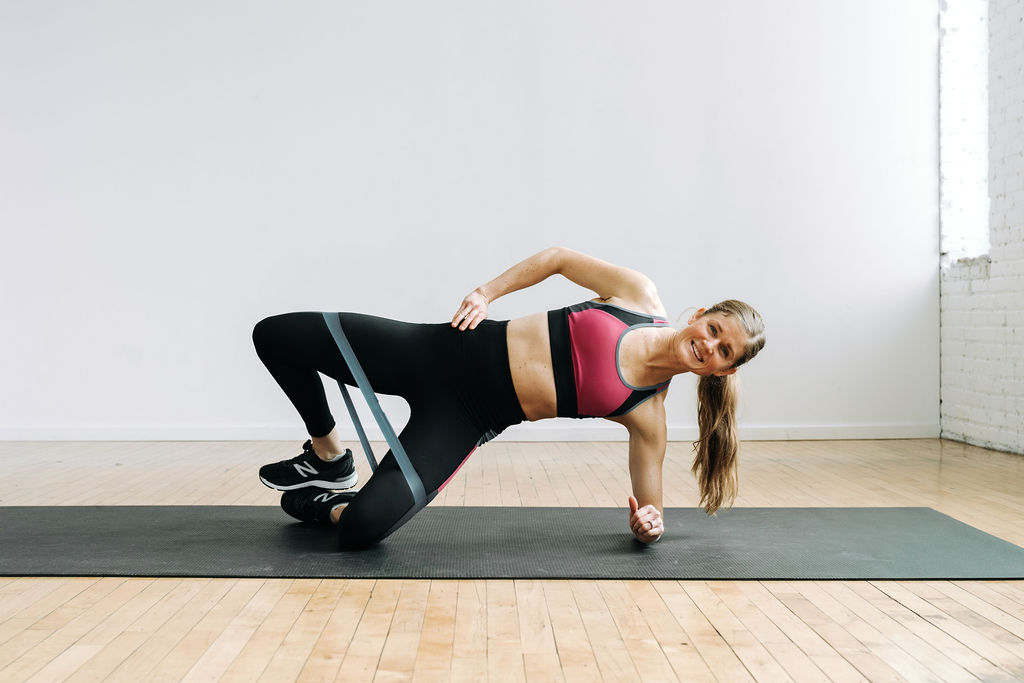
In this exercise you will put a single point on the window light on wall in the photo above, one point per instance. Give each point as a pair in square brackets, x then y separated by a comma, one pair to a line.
[963, 129]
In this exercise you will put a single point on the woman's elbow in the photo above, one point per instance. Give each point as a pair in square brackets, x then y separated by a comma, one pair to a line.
[554, 258]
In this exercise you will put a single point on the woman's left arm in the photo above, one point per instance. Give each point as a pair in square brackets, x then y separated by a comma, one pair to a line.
[647, 440]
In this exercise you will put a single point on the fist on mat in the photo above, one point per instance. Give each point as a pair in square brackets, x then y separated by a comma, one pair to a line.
[645, 522]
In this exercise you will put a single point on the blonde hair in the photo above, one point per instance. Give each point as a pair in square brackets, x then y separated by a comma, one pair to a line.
[714, 461]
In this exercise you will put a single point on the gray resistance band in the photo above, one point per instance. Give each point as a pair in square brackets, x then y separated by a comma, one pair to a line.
[333, 321]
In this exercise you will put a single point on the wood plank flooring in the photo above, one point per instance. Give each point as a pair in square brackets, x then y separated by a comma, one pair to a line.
[118, 629]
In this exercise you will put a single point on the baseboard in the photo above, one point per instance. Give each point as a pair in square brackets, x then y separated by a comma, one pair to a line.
[1017, 449]
[549, 430]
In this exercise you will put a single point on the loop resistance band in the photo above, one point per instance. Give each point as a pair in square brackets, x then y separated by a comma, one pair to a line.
[333, 321]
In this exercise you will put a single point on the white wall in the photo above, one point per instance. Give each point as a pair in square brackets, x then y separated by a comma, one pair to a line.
[170, 173]
[983, 298]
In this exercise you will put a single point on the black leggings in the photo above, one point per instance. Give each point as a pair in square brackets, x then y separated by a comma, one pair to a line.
[458, 386]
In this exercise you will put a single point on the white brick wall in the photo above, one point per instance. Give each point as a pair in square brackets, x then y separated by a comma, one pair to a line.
[982, 299]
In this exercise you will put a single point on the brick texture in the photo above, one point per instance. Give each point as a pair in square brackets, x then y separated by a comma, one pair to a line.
[982, 299]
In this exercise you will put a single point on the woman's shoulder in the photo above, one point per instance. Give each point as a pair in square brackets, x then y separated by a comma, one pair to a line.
[648, 303]
[648, 418]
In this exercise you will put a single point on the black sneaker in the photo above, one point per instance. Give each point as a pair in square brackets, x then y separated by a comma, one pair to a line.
[314, 506]
[306, 469]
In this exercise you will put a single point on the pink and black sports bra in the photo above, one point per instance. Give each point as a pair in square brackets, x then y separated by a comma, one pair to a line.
[585, 340]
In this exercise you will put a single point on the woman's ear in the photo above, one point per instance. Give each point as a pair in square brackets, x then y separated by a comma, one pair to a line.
[723, 373]
[699, 313]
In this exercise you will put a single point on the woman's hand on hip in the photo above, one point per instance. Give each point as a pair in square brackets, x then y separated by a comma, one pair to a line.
[645, 522]
[471, 312]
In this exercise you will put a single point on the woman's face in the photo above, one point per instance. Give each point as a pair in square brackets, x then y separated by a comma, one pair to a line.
[711, 342]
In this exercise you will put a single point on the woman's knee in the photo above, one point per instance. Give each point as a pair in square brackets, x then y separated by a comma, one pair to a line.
[360, 527]
[355, 536]
[381, 507]
[265, 331]
[280, 331]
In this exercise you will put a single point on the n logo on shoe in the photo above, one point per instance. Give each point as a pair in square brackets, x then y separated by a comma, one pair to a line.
[305, 469]
[324, 497]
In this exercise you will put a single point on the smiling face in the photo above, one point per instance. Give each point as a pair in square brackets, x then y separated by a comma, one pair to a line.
[711, 343]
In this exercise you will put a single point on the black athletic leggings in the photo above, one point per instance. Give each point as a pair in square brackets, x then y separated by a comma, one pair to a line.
[458, 385]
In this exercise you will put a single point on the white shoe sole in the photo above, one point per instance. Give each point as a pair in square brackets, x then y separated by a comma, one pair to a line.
[346, 483]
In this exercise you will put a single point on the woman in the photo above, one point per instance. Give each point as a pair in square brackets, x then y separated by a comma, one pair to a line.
[466, 381]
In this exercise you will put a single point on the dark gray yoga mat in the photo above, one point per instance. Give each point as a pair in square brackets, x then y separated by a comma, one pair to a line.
[513, 542]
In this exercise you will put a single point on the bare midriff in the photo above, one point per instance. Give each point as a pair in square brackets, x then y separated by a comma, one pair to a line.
[529, 358]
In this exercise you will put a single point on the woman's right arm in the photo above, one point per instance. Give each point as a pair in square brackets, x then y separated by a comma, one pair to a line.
[605, 279]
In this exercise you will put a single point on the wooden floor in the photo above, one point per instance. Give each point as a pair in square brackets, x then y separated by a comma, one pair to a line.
[87, 629]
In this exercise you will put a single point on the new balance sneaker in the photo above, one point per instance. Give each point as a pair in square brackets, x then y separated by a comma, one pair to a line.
[310, 505]
[306, 469]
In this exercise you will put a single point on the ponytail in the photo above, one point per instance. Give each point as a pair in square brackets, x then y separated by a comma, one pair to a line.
[715, 463]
